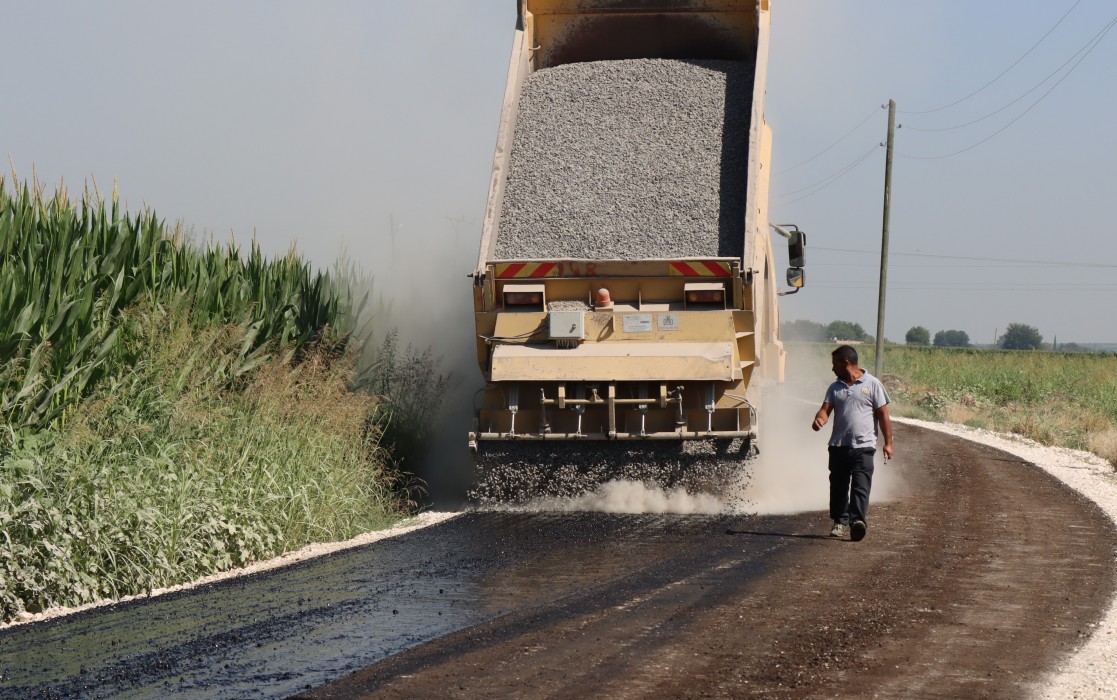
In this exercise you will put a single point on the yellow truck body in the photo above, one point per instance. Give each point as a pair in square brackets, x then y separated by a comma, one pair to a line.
[666, 360]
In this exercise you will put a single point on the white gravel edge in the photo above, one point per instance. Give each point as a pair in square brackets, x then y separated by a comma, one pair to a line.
[310, 551]
[1090, 673]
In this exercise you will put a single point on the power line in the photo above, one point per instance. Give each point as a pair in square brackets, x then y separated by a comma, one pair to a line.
[827, 181]
[1015, 290]
[1100, 36]
[969, 257]
[948, 266]
[1035, 87]
[1006, 70]
[847, 284]
[843, 138]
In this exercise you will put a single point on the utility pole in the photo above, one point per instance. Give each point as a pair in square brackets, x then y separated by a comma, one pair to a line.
[877, 368]
[392, 235]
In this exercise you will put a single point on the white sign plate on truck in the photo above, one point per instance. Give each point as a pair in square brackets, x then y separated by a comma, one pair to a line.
[668, 322]
[637, 323]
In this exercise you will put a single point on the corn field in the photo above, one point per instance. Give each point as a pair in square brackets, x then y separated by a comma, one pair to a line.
[172, 410]
[67, 272]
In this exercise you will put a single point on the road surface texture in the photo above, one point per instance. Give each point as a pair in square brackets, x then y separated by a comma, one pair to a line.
[976, 584]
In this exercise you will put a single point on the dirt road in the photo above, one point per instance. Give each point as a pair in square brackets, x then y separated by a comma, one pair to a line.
[973, 585]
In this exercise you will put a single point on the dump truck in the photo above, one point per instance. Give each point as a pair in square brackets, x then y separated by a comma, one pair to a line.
[625, 294]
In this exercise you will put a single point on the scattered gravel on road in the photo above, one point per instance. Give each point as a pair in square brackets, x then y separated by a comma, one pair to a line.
[1088, 674]
[515, 472]
[622, 160]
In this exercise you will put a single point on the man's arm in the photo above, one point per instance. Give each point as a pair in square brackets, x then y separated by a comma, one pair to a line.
[823, 415]
[885, 424]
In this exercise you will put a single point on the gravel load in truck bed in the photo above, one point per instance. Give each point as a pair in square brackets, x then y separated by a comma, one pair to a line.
[627, 160]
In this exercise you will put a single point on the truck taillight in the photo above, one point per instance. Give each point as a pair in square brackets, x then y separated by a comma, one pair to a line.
[713, 296]
[704, 295]
[523, 298]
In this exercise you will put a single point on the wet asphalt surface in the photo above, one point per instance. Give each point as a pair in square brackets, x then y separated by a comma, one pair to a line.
[279, 632]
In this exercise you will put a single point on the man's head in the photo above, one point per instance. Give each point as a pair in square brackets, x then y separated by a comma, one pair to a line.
[844, 361]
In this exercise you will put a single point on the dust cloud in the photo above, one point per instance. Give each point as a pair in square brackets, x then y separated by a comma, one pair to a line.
[419, 287]
[789, 475]
[634, 497]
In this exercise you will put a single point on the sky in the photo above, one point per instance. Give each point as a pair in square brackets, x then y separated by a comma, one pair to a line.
[368, 127]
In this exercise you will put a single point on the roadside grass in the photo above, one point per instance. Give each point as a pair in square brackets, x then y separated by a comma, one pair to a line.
[164, 475]
[173, 411]
[1064, 399]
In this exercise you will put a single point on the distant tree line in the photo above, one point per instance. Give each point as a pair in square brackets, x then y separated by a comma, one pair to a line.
[1017, 336]
[813, 332]
[918, 335]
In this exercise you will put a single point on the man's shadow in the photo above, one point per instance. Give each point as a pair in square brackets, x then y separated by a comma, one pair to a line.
[731, 531]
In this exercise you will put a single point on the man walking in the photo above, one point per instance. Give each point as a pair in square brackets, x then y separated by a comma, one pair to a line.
[860, 406]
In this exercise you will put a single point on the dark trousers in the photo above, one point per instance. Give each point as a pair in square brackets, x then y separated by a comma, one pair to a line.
[851, 477]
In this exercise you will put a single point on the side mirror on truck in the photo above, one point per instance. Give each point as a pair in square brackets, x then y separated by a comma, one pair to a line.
[797, 248]
[796, 255]
[795, 277]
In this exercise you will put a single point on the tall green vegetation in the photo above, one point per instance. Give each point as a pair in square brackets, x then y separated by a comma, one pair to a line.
[171, 411]
[67, 273]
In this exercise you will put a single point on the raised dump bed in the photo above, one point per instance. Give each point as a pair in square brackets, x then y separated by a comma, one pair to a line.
[625, 290]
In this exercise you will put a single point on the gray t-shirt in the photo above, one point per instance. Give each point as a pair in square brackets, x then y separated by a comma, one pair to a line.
[855, 423]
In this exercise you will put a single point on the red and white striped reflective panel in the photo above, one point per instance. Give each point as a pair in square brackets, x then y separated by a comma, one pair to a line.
[706, 268]
[526, 270]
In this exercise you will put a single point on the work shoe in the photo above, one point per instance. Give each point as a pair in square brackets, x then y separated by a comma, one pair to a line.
[857, 530]
[838, 530]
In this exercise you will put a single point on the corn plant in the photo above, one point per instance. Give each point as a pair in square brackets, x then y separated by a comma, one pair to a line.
[67, 271]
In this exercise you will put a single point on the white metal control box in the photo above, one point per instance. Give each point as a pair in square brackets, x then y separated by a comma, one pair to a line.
[567, 325]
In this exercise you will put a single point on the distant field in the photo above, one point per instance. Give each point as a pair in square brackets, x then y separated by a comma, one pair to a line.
[1067, 399]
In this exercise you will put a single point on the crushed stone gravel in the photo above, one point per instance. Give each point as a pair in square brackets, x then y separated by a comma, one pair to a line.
[624, 160]
[510, 472]
[1088, 674]
[565, 305]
